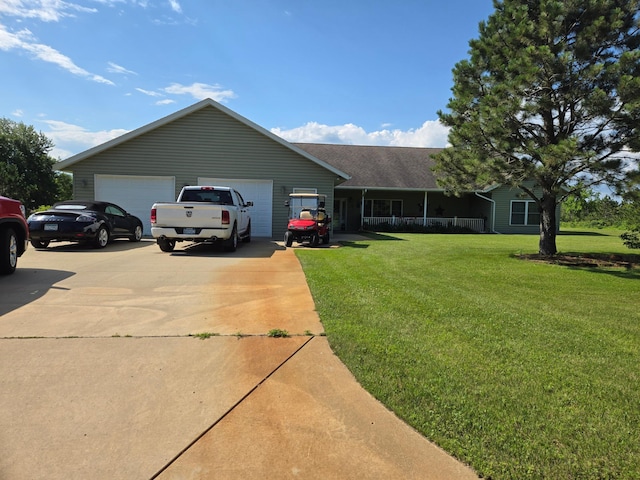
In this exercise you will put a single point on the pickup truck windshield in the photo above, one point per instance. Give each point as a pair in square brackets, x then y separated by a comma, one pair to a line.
[210, 196]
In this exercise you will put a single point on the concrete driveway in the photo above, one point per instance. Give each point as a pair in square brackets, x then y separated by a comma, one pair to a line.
[131, 363]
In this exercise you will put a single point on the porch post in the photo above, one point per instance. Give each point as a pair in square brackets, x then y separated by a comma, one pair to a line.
[424, 213]
[364, 192]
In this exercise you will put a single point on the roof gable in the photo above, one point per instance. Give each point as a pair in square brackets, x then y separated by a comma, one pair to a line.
[206, 103]
[379, 167]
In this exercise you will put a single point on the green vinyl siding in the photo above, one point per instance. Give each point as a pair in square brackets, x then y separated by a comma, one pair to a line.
[516, 212]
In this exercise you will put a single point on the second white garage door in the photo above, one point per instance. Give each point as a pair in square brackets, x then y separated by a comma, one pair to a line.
[135, 194]
[260, 192]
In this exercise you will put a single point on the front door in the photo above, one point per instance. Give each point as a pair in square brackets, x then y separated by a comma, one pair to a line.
[339, 217]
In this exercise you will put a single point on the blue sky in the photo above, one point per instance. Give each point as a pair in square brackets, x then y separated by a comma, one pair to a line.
[332, 71]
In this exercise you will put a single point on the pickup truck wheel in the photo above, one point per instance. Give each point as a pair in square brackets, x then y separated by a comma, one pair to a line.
[288, 239]
[102, 238]
[247, 236]
[166, 245]
[8, 251]
[137, 234]
[39, 244]
[232, 244]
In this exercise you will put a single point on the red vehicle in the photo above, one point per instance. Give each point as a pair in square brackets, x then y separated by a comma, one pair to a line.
[14, 234]
[308, 219]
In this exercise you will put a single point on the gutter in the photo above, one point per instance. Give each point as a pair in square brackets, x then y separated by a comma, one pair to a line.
[493, 211]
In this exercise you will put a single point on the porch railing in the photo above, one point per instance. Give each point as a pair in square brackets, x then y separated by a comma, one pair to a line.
[476, 224]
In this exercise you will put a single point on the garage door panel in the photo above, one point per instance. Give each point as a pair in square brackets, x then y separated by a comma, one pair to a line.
[136, 194]
[260, 192]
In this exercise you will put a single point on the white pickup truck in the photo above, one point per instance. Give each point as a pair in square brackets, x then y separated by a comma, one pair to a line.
[202, 214]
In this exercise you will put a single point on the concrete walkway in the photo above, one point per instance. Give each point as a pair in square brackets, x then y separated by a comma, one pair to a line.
[105, 373]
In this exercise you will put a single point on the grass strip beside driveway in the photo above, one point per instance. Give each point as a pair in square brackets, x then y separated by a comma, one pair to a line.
[521, 369]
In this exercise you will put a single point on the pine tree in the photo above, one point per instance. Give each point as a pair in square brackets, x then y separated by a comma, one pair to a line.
[550, 93]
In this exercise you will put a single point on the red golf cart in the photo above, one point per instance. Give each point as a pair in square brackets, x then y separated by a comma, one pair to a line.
[308, 219]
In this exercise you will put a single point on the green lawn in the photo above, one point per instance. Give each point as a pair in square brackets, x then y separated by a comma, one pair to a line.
[520, 369]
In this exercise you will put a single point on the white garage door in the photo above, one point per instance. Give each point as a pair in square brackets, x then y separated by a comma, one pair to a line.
[135, 194]
[260, 192]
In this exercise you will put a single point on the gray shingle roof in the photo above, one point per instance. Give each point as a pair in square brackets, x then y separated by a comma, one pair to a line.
[405, 168]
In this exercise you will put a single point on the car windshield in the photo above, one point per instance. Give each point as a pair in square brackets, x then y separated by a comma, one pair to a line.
[304, 207]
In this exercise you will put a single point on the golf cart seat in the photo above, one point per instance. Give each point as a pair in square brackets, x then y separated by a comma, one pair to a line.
[306, 215]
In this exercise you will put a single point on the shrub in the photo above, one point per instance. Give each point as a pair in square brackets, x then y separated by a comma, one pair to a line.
[631, 239]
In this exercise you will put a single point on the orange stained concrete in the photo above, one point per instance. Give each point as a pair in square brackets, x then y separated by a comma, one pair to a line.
[310, 419]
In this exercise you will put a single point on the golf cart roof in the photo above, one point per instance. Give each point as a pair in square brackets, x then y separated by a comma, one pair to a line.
[307, 195]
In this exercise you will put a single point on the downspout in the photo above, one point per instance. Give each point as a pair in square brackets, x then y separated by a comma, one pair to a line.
[493, 211]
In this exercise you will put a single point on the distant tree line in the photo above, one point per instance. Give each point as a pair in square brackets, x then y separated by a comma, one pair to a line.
[588, 208]
[26, 168]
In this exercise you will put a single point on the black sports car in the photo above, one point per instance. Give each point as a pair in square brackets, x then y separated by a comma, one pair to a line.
[83, 221]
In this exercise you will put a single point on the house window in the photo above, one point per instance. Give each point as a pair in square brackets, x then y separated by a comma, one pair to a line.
[383, 208]
[524, 212]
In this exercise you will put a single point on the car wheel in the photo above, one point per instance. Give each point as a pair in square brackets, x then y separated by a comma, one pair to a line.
[8, 251]
[232, 244]
[315, 240]
[166, 245]
[247, 237]
[288, 239]
[102, 238]
[137, 234]
[39, 244]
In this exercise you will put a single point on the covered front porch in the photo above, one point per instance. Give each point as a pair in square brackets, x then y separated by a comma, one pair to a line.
[475, 224]
[358, 209]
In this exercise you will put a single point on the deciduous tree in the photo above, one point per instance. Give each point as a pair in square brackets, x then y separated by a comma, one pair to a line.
[26, 169]
[550, 93]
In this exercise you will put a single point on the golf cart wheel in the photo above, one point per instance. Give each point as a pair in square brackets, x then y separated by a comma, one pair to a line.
[288, 239]
[325, 239]
[315, 240]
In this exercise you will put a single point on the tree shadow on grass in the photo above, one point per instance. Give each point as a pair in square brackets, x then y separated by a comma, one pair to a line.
[617, 264]
[585, 233]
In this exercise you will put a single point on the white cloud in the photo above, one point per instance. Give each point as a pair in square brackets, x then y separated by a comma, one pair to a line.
[200, 91]
[165, 102]
[175, 6]
[149, 92]
[431, 134]
[23, 40]
[43, 10]
[17, 113]
[115, 68]
[70, 139]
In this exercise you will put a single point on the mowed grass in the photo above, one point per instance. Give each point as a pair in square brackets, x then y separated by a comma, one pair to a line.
[522, 370]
